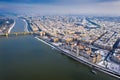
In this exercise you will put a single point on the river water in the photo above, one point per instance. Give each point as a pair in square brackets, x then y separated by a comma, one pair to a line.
[26, 58]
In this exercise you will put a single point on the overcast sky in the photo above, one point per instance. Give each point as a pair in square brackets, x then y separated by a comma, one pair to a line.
[52, 7]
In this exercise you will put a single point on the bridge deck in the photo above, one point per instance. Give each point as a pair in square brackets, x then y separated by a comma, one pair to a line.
[17, 33]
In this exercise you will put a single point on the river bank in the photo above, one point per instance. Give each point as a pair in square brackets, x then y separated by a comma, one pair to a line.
[80, 59]
[11, 27]
[25, 26]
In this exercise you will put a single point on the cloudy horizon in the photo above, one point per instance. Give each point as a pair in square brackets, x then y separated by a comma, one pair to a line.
[51, 7]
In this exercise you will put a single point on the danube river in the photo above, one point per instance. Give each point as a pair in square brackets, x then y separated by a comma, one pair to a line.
[26, 58]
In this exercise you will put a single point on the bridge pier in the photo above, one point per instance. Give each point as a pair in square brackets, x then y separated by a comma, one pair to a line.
[16, 34]
[6, 34]
[25, 33]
